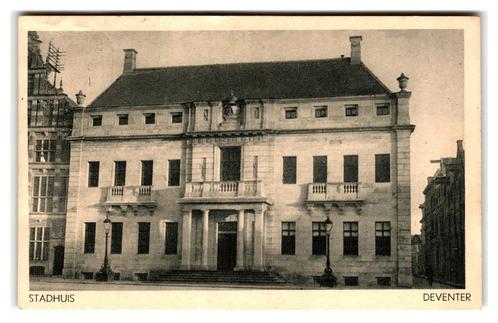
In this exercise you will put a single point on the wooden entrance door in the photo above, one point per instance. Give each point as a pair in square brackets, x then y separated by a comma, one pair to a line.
[230, 164]
[227, 245]
[58, 260]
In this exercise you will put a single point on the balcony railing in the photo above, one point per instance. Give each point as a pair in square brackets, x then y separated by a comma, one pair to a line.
[129, 194]
[334, 192]
[224, 189]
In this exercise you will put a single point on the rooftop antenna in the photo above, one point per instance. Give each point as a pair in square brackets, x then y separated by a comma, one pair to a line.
[54, 60]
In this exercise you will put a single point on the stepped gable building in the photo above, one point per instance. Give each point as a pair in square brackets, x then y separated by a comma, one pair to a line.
[443, 220]
[49, 123]
[236, 167]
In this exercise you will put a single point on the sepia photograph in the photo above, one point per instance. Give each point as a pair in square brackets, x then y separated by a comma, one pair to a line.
[242, 159]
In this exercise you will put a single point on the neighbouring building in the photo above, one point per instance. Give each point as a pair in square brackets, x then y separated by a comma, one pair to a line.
[443, 220]
[418, 267]
[49, 123]
[236, 167]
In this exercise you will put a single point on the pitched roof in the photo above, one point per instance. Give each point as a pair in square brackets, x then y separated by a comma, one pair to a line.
[265, 80]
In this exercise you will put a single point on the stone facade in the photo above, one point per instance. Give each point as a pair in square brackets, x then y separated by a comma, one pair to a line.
[49, 124]
[443, 221]
[260, 132]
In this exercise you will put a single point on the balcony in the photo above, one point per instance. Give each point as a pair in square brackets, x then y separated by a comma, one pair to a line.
[132, 197]
[335, 192]
[228, 189]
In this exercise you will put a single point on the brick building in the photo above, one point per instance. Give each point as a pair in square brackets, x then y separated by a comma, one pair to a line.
[49, 123]
[236, 167]
[443, 220]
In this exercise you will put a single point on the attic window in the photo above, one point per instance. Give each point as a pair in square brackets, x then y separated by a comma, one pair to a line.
[321, 112]
[96, 120]
[383, 110]
[122, 119]
[291, 113]
[351, 110]
[149, 118]
[176, 117]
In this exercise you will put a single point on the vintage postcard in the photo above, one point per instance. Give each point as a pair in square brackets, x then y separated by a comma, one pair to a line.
[249, 162]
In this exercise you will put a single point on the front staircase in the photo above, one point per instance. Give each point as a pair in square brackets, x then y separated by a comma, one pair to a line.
[266, 278]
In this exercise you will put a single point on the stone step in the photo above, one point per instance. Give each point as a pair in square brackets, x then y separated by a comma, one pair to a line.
[240, 277]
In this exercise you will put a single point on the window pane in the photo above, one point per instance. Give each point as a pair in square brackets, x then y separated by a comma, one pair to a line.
[176, 117]
[319, 169]
[319, 245]
[147, 166]
[143, 237]
[93, 173]
[171, 238]
[150, 118]
[351, 169]
[116, 237]
[291, 113]
[174, 173]
[289, 170]
[120, 173]
[382, 168]
[89, 246]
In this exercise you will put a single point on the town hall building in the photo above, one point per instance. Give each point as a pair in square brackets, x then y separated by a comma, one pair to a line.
[235, 167]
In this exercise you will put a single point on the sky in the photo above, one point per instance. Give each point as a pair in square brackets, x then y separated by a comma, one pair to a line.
[432, 59]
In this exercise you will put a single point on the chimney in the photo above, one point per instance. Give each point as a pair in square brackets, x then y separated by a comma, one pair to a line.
[355, 49]
[130, 60]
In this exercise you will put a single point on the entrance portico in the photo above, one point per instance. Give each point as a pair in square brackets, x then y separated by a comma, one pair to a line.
[211, 234]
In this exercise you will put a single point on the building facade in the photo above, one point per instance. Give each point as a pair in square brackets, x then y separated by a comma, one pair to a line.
[418, 266]
[49, 123]
[236, 167]
[443, 221]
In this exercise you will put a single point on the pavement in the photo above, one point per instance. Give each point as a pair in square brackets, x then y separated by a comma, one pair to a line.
[423, 283]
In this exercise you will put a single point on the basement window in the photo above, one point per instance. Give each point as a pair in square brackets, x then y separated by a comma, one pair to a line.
[383, 281]
[351, 281]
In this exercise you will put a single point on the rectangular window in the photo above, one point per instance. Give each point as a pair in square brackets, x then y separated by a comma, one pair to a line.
[383, 281]
[383, 110]
[319, 238]
[122, 119]
[290, 113]
[382, 168]
[147, 171]
[96, 120]
[171, 240]
[45, 150]
[174, 172]
[89, 237]
[176, 117]
[382, 238]
[149, 118]
[39, 243]
[351, 169]
[351, 281]
[230, 162]
[319, 169]
[43, 193]
[143, 237]
[289, 170]
[119, 173]
[350, 238]
[288, 238]
[256, 113]
[93, 173]
[320, 112]
[64, 182]
[116, 237]
[351, 110]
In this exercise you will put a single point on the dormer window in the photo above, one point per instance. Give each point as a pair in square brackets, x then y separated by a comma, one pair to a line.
[122, 119]
[149, 118]
[96, 120]
[352, 110]
[291, 113]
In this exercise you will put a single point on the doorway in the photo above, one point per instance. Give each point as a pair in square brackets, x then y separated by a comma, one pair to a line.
[227, 245]
[58, 260]
[230, 164]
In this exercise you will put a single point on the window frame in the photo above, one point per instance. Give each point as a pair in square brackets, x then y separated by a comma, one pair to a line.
[319, 238]
[288, 238]
[116, 173]
[177, 173]
[39, 243]
[347, 176]
[350, 238]
[383, 238]
[174, 115]
[89, 238]
[290, 110]
[43, 193]
[92, 179]
[96, 117]
[382, 175]
[320, 108]
[149, 115]
[143, 238]
[349, 108]
[145, 173]
[116, 241]
[45, 147]
[123, 116]
[171, 249]
[383, 108]
[289, 176]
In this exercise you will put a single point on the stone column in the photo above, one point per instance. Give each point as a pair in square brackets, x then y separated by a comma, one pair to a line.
[205, 236]
[240, 241]
[186, 230]
[258, 240]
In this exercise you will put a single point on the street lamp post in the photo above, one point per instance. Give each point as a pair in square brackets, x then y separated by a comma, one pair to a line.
[328, 277]
[105, 271]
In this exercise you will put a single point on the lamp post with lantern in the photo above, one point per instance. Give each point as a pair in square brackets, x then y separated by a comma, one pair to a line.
[328, 278]
[105, 272]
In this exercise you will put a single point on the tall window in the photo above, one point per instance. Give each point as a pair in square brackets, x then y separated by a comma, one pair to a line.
[383, 238]
[119, 173]
[116, 237]
[288, 238]
[171, 240]
[230, 163]
[319, 169]
[43, 192]
[45, 151]
[350, 238]
[39, 243]
[64, 181]
[351, 110]
[89, 246]
[174, 172]
[290, 113]
[319, 233]
[289, 170]
[382, 168]
[147, 166]
[143, 237]
[351, 169]
[93, 173]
